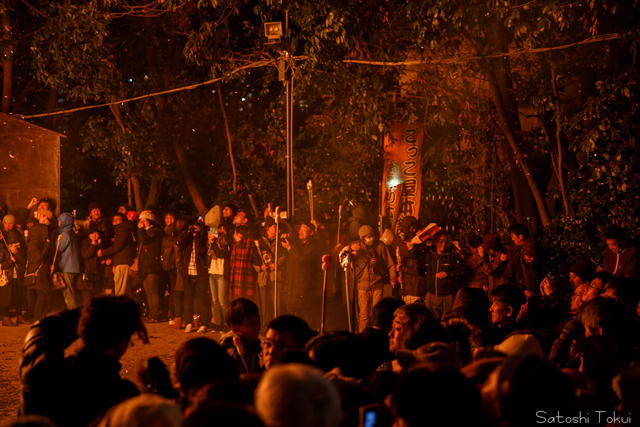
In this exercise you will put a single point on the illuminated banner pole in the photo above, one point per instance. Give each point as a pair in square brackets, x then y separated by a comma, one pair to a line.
[402, 175]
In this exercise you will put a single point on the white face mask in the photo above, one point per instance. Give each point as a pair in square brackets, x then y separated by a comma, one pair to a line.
[368, 241]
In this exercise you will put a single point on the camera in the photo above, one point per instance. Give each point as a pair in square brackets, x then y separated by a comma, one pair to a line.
[345, 257]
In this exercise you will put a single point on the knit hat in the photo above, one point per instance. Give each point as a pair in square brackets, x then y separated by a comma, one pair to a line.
[491, 242]
[233, 208]
[148, 215]
[309, 224]
[123, 217]
[584, 269]
[364, 230]
[269, 221]
[475, 241]
[94, 205]
[9, 219]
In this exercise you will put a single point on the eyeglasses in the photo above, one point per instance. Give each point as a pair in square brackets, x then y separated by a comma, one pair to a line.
[593, 287]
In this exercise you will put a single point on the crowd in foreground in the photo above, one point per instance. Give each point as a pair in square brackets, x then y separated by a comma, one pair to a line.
[477, 335]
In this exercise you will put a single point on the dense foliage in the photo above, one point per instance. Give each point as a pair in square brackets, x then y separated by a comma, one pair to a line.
[515, 130]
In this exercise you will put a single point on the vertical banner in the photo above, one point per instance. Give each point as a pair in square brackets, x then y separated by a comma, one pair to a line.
[402, 175]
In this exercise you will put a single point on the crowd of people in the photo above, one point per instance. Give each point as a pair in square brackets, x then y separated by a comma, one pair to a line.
[483, 333]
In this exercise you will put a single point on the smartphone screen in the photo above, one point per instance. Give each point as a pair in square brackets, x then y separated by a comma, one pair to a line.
[369, 415]
[370, 418]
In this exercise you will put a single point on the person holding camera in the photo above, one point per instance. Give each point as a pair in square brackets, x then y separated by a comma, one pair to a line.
[219, 271]
[149, 261]
[192, 244]
[374, 268]
[267, 274]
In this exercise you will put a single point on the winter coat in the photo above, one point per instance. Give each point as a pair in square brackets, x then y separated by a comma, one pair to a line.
[40, 256]
[92, 266]
[622, 264]
[184, 242]
[123, 250]
[524, 275]
[150, 250]
[68, 257]
[168, 257]
[267, 252]
[302, 282]
[493, 267]
[374, 276]
[450, 263]
[106, 228]
[14, 236]
[7, 265]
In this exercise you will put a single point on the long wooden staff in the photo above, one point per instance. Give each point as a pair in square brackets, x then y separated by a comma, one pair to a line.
[275, 280]
[326, 265]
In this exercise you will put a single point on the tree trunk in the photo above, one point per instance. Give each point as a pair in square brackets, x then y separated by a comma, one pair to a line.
[558, 169]
[506, 126]
[136, 193]
[499, 86]
[162, 79]
[226, 126]
[129, 192]
[51, 105]
[7, 66]
[154, 191]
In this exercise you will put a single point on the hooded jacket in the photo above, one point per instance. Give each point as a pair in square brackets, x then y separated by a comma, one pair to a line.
[68, 258]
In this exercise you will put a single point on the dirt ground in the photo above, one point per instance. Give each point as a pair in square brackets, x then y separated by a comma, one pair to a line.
[163, 344]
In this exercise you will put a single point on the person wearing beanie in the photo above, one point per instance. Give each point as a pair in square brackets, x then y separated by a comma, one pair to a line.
[581, 272]
[8, 225]
[266, 275]
[15, 258]
[149, 261]
[39, 259]
[494, 261]
[374, 268]
[99, 221]
[26, 218]
[122, 252]
[193, 269]
[444, 270]
[413, 285]
[474, 275]
[9, 293]
[229, 212]
[525, 271]
[301, 290]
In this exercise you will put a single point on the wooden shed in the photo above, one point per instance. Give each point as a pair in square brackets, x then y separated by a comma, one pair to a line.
[29, 163]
